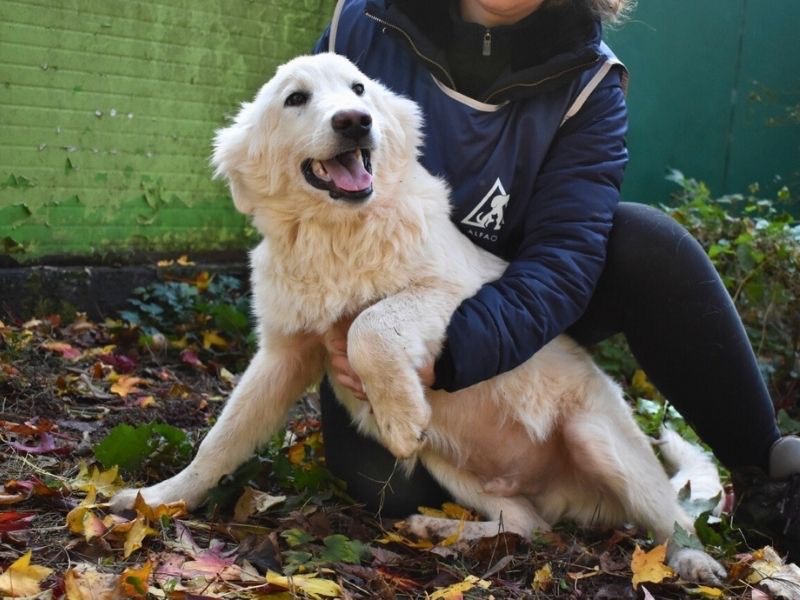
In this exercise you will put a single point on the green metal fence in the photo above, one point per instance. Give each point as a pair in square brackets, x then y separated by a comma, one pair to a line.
[107, 110]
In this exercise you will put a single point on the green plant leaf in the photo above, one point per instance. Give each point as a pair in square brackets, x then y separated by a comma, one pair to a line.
[339, 548]
[131, 447]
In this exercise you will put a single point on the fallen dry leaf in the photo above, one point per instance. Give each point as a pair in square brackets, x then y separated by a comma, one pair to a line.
[704, 591]
[84, 582]
[212, 338]
[15, 521]
[106, 483]
[543, 578]
[649, 566]
[75, 517]
[137, 532]
[154, 513]
[315, 587]
[64, 349]
[22, 578]
[133, 581]
[456, 591]
[126, 384]
[253, 502]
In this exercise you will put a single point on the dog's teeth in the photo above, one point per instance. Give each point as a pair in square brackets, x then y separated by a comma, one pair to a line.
[320, 171]
[358, 153]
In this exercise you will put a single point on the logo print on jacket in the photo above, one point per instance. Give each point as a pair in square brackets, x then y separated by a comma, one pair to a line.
[488, 214]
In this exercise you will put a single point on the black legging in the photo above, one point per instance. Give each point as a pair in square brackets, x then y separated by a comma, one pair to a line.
[660, 290]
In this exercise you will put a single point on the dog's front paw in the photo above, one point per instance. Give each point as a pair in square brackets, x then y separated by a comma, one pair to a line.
[696, 565]
[166, 492]
[403, 434]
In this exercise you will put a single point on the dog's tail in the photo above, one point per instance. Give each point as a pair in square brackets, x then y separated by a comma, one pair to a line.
[692, 469]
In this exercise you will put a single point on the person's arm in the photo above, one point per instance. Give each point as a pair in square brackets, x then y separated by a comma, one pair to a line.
[548, 285]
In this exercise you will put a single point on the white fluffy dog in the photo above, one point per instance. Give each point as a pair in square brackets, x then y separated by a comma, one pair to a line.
[325, 162]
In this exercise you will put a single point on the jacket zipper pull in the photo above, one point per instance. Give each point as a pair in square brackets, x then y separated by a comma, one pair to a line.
[487, 43]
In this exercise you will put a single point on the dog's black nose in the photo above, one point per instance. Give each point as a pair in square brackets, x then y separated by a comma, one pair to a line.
[353, 124]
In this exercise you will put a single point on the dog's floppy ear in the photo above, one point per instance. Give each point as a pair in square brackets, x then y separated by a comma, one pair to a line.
[239, 153]
[403, 125]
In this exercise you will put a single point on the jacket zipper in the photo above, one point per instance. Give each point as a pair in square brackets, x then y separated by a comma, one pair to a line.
[444, 71]
[414, 47]
[487, 43]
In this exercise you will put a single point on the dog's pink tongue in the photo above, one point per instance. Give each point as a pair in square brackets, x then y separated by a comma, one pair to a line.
[348, 172]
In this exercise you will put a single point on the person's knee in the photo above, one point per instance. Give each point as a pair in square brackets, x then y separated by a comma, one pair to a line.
[646, 241]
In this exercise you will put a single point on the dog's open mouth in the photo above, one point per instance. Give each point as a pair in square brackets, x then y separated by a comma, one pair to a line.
[346, 176]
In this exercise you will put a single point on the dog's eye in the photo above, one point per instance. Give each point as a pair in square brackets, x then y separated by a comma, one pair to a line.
[358, 88]
[296, 99]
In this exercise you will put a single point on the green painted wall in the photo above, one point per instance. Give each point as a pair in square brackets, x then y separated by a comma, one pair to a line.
[107, 110]
[714, 92]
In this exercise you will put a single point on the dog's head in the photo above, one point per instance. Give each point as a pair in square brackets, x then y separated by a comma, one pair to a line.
[318, 130]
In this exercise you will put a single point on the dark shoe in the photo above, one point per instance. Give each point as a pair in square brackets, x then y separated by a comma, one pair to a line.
[768, 510]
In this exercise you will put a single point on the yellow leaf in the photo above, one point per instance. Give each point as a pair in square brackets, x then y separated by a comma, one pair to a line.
[454, 511]
[22, 578]
[297, 453]
[765, 564]
[453, 537]
[543, 578]
[84, 582]
[705, 591]
[75, 517]
[316, 587]
[153, 514]
[431, 512]
[126, 384]
[642, 385]
[138, 531]
[456, 591]
[184, 261]
[212, 338]
[106, 483]
[133, 581]
[202, 281]
[392, 537]
[649, 566]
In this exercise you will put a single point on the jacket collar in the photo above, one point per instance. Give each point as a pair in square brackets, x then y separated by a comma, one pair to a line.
[550, 47]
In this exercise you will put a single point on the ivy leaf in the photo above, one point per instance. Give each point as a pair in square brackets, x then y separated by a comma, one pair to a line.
[684, 539]
[339, 548]
[296, 537]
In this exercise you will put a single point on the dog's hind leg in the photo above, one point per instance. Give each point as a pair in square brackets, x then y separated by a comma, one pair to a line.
[607, 446]
[514, 514]
[275, 378]
[386, 345]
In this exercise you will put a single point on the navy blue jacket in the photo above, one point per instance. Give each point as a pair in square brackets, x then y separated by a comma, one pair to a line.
[535, 167]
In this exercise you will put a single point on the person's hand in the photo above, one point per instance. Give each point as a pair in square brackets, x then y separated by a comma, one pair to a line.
[336, 345]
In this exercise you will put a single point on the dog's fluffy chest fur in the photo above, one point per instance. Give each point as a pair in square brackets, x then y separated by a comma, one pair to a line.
[308, 276]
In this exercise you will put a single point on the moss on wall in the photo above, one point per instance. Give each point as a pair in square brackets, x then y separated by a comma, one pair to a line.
[108, 110]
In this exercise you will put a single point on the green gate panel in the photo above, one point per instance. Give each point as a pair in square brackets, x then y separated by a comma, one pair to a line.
[765, 136]
[107, 111]
[681, 56]
[715, 93]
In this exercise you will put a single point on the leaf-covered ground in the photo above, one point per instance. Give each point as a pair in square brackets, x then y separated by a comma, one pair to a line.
[86, 407]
